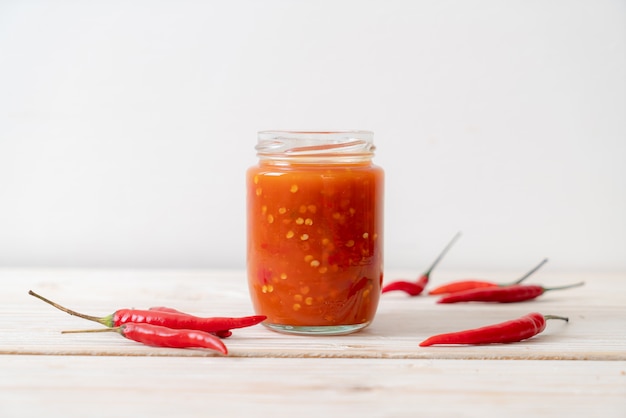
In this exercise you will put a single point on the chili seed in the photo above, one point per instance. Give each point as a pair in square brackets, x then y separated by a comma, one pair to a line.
[289, 234]
[294, 188]
[299, 221]
[282, 211]
[304, 237]
[309, 301]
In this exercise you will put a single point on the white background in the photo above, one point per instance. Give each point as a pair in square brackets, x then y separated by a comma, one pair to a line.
[126, 126]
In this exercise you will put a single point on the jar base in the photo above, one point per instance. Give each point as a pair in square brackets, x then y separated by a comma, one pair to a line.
[317, 330]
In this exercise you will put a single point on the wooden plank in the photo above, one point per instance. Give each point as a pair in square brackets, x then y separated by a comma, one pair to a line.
[28, 326]
[80, 386]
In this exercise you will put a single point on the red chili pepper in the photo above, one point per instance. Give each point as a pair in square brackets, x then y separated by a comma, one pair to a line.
[159, 336]
[222, 334]
[462, 285]
[504, 332]
[169, 319]
[414, 288]
[508, 294]
[410, 288]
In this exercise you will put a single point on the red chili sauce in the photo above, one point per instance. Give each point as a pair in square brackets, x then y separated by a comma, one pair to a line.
[315, 243]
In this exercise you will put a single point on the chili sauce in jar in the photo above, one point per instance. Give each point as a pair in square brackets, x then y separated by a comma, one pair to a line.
[315, 231]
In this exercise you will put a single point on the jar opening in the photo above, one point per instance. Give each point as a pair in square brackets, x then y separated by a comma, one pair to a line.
[315, 147]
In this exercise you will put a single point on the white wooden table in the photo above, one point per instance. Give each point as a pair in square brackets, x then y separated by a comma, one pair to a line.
[575, 369]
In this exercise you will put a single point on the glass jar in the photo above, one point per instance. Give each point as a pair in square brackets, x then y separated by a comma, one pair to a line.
[315, 231]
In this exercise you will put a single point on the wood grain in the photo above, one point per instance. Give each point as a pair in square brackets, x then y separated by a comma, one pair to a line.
[576, 369]
[52, 386]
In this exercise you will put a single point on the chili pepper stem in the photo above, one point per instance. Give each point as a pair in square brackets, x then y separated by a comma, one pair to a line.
[80, 331]
[534, 269]
[106, 321]
[563, 318]
[568, 286]
[441, 254]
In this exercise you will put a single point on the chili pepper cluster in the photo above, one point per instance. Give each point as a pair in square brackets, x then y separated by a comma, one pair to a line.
[473, 290]
[165, 327]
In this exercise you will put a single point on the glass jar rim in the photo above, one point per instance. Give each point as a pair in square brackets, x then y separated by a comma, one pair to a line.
[314, 146]
[288, 132]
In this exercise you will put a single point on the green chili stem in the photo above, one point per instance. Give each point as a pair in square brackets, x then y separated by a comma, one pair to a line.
[80, 331]
[545, 289]
[445, 250]
[534, 269]
[564, 318]
[100, 320]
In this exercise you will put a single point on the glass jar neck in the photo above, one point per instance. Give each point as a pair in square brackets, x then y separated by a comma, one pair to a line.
[338, 147]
